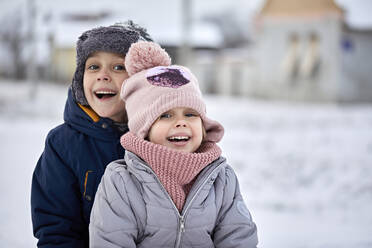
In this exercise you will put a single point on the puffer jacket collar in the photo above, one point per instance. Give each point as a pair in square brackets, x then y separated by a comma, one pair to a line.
[176, 170]
[77, 118]
[144, 173]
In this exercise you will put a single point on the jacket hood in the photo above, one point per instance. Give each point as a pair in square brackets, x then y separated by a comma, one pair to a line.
[78, 119]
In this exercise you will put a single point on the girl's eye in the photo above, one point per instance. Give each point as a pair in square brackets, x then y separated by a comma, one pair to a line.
[92, 67]
[165, 115]
[119, 67]
[191, 114]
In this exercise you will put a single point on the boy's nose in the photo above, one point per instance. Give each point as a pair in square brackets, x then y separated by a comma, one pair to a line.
[103, 77]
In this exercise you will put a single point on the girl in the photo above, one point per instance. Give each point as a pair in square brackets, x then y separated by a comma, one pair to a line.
[76, 153]
[173, 188]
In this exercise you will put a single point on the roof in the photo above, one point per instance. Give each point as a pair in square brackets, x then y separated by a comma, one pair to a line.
[299, 7]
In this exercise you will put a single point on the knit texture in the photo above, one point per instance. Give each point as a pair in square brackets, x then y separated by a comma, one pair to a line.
[155, 87]
[116, 38]
[145, 55]
[176, 170]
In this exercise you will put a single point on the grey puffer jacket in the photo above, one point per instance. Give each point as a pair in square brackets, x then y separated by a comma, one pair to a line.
[132, 209]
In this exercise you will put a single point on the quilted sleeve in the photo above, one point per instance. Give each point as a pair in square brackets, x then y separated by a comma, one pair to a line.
[112, 221]
[235, 227]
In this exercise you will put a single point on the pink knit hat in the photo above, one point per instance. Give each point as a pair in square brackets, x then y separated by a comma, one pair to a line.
[155, 86]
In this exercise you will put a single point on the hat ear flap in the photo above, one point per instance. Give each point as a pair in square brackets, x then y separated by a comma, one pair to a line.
[143, 55]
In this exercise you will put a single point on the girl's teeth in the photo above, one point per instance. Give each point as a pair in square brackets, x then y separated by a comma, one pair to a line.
[179, 138]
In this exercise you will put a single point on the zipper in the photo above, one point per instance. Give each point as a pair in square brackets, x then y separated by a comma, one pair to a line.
[181, 230]
[181, 226]
[199, 188]
[181, 218]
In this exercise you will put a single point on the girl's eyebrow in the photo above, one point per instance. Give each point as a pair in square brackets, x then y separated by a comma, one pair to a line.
[166, 112]
[190, 110]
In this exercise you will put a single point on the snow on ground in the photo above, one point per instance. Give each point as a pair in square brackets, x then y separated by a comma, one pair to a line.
[305, 169]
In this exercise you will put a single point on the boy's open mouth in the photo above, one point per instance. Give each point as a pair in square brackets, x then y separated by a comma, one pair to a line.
[104, 94]
[178, 138]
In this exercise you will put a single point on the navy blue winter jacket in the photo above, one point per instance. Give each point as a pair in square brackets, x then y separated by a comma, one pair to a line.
[67, 175]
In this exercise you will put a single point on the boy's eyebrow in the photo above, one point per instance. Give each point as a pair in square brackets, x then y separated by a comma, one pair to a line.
[94, 54]
[114, 55]
[92, 57]
[118, 56]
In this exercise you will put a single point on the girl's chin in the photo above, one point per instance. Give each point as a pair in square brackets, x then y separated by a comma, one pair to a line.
[181, 147]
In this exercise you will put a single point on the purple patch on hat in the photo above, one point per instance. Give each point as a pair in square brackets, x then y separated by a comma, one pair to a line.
[170, 76]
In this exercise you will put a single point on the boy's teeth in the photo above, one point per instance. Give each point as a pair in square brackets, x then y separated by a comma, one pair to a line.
[101, 94]
[105, 92]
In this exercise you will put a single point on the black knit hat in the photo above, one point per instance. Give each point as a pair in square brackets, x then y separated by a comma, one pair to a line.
[116, 38]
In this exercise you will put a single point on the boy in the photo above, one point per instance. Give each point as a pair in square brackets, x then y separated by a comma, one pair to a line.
[76, 153]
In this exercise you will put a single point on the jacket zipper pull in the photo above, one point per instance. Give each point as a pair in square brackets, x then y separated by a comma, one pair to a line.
[182, 225]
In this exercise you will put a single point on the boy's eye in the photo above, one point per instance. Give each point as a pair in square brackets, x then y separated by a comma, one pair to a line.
[92, 67]
[165, 115]
[119, 67]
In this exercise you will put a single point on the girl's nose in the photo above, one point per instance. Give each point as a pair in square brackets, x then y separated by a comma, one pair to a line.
[181, 123]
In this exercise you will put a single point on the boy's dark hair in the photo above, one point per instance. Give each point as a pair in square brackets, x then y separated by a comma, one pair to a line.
[116, 38]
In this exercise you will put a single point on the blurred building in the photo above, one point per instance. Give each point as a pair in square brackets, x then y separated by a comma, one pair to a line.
[302, 51]
[62, 38]
[69, 26]
[293, 50]
[57, 27]
[299, 49]
[356, 81]
[306, 51]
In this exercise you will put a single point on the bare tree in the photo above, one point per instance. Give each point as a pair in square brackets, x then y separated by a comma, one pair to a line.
[12, 36]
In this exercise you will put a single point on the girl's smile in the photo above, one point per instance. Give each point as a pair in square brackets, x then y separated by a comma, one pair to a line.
[179, 128]
[179, 139]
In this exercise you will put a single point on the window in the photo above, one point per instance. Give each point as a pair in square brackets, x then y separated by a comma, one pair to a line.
[290, 63]
[310, 65]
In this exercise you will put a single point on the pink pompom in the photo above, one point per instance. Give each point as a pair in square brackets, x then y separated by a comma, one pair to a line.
[144, 55]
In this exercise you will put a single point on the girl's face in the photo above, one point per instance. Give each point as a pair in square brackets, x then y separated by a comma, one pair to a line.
[178, 128]
[104, 74]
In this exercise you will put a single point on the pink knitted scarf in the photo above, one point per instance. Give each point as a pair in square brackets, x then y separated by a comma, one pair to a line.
[176, 170]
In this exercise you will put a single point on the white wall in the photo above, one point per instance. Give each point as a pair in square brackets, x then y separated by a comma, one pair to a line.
[357, 66]
[274, 37]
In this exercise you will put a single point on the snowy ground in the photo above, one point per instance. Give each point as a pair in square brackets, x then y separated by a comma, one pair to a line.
[305, 170]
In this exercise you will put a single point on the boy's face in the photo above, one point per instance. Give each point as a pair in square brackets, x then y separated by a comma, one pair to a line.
[178, 128]
[104, 74]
